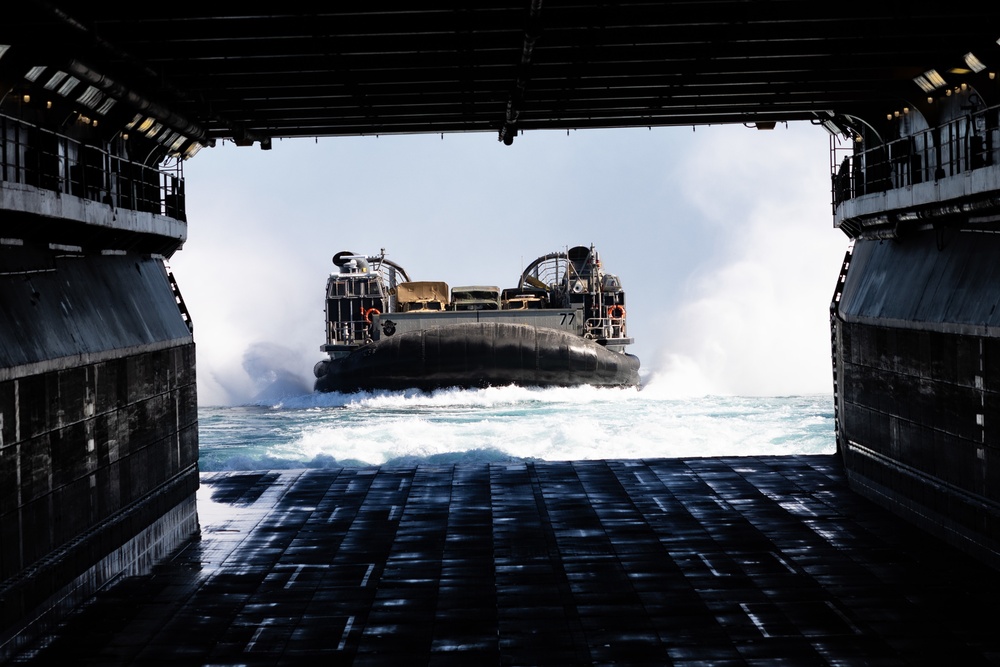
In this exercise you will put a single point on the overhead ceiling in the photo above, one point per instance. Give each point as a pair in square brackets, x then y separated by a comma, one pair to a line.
[221, 70]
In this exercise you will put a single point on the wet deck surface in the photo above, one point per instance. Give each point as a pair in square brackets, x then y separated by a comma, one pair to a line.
[723, 561]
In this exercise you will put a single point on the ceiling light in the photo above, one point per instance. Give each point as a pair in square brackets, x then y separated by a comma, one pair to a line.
[90, 97]
[974, 63]
[831, 127]
[929, 80]
[34, 73]
[67, 87]
[55, 80]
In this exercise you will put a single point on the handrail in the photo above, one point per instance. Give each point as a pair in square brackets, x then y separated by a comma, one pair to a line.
[955, 147]
[34, 156]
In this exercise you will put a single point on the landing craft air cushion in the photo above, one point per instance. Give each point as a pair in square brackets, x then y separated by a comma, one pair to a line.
[564, 324]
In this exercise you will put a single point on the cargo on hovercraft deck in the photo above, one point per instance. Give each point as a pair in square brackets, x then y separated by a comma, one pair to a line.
[564, 324]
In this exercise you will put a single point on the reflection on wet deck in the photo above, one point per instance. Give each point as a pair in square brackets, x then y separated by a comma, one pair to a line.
[727, 561]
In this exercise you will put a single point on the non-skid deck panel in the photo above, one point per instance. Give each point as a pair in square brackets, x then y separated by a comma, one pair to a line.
[720, 561]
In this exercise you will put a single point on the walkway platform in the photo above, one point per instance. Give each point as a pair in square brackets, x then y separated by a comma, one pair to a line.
[718, 561]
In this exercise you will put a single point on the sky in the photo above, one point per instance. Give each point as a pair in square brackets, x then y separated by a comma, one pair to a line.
[722, 236]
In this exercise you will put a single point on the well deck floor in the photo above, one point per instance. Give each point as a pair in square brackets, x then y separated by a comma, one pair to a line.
[715, 561]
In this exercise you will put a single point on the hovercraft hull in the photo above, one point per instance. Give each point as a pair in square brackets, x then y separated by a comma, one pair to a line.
[478, 354]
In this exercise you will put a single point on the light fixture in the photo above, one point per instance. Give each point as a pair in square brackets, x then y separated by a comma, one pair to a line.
[48, 104]
[993, 75]
[896, 113]
[67, 86]
[906, 110]
[964, 87]
[888, 116]
[929, 80]
[930, 100]
[831, 127]
[26, 98]
[974, 63]
[90, 97]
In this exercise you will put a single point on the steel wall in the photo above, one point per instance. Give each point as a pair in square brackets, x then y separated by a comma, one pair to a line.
[918, 358]
[98, 428]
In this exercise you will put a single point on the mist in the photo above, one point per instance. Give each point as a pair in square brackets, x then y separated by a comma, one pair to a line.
[723, 238]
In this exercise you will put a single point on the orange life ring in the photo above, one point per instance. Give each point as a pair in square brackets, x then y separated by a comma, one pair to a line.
[368, 314]
[620, 309]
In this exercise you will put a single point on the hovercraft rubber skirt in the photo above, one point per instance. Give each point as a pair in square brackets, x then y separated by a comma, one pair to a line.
[478, 354]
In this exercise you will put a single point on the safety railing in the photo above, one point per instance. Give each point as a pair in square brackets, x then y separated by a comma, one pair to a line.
[955, 147]
[31, 155]
[605, 328]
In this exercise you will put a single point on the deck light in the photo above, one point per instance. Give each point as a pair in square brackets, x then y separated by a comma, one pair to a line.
[68, 85]
[974, 63]
[831, 126]
[90, 97]
[929, 80]
[26, 98]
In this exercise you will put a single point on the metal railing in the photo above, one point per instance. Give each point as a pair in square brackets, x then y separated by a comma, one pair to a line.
[969, 142]
[605, 328]
[31, 155]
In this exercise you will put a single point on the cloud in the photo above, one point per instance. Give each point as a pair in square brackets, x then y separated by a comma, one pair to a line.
[756, 317]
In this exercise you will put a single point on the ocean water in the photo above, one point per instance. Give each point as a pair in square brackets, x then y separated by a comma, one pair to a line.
[508, 423]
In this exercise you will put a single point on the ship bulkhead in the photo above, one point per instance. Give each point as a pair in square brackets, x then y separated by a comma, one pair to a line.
[916, 318]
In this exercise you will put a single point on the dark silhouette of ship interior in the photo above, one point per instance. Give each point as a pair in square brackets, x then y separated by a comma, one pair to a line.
[880, 553]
